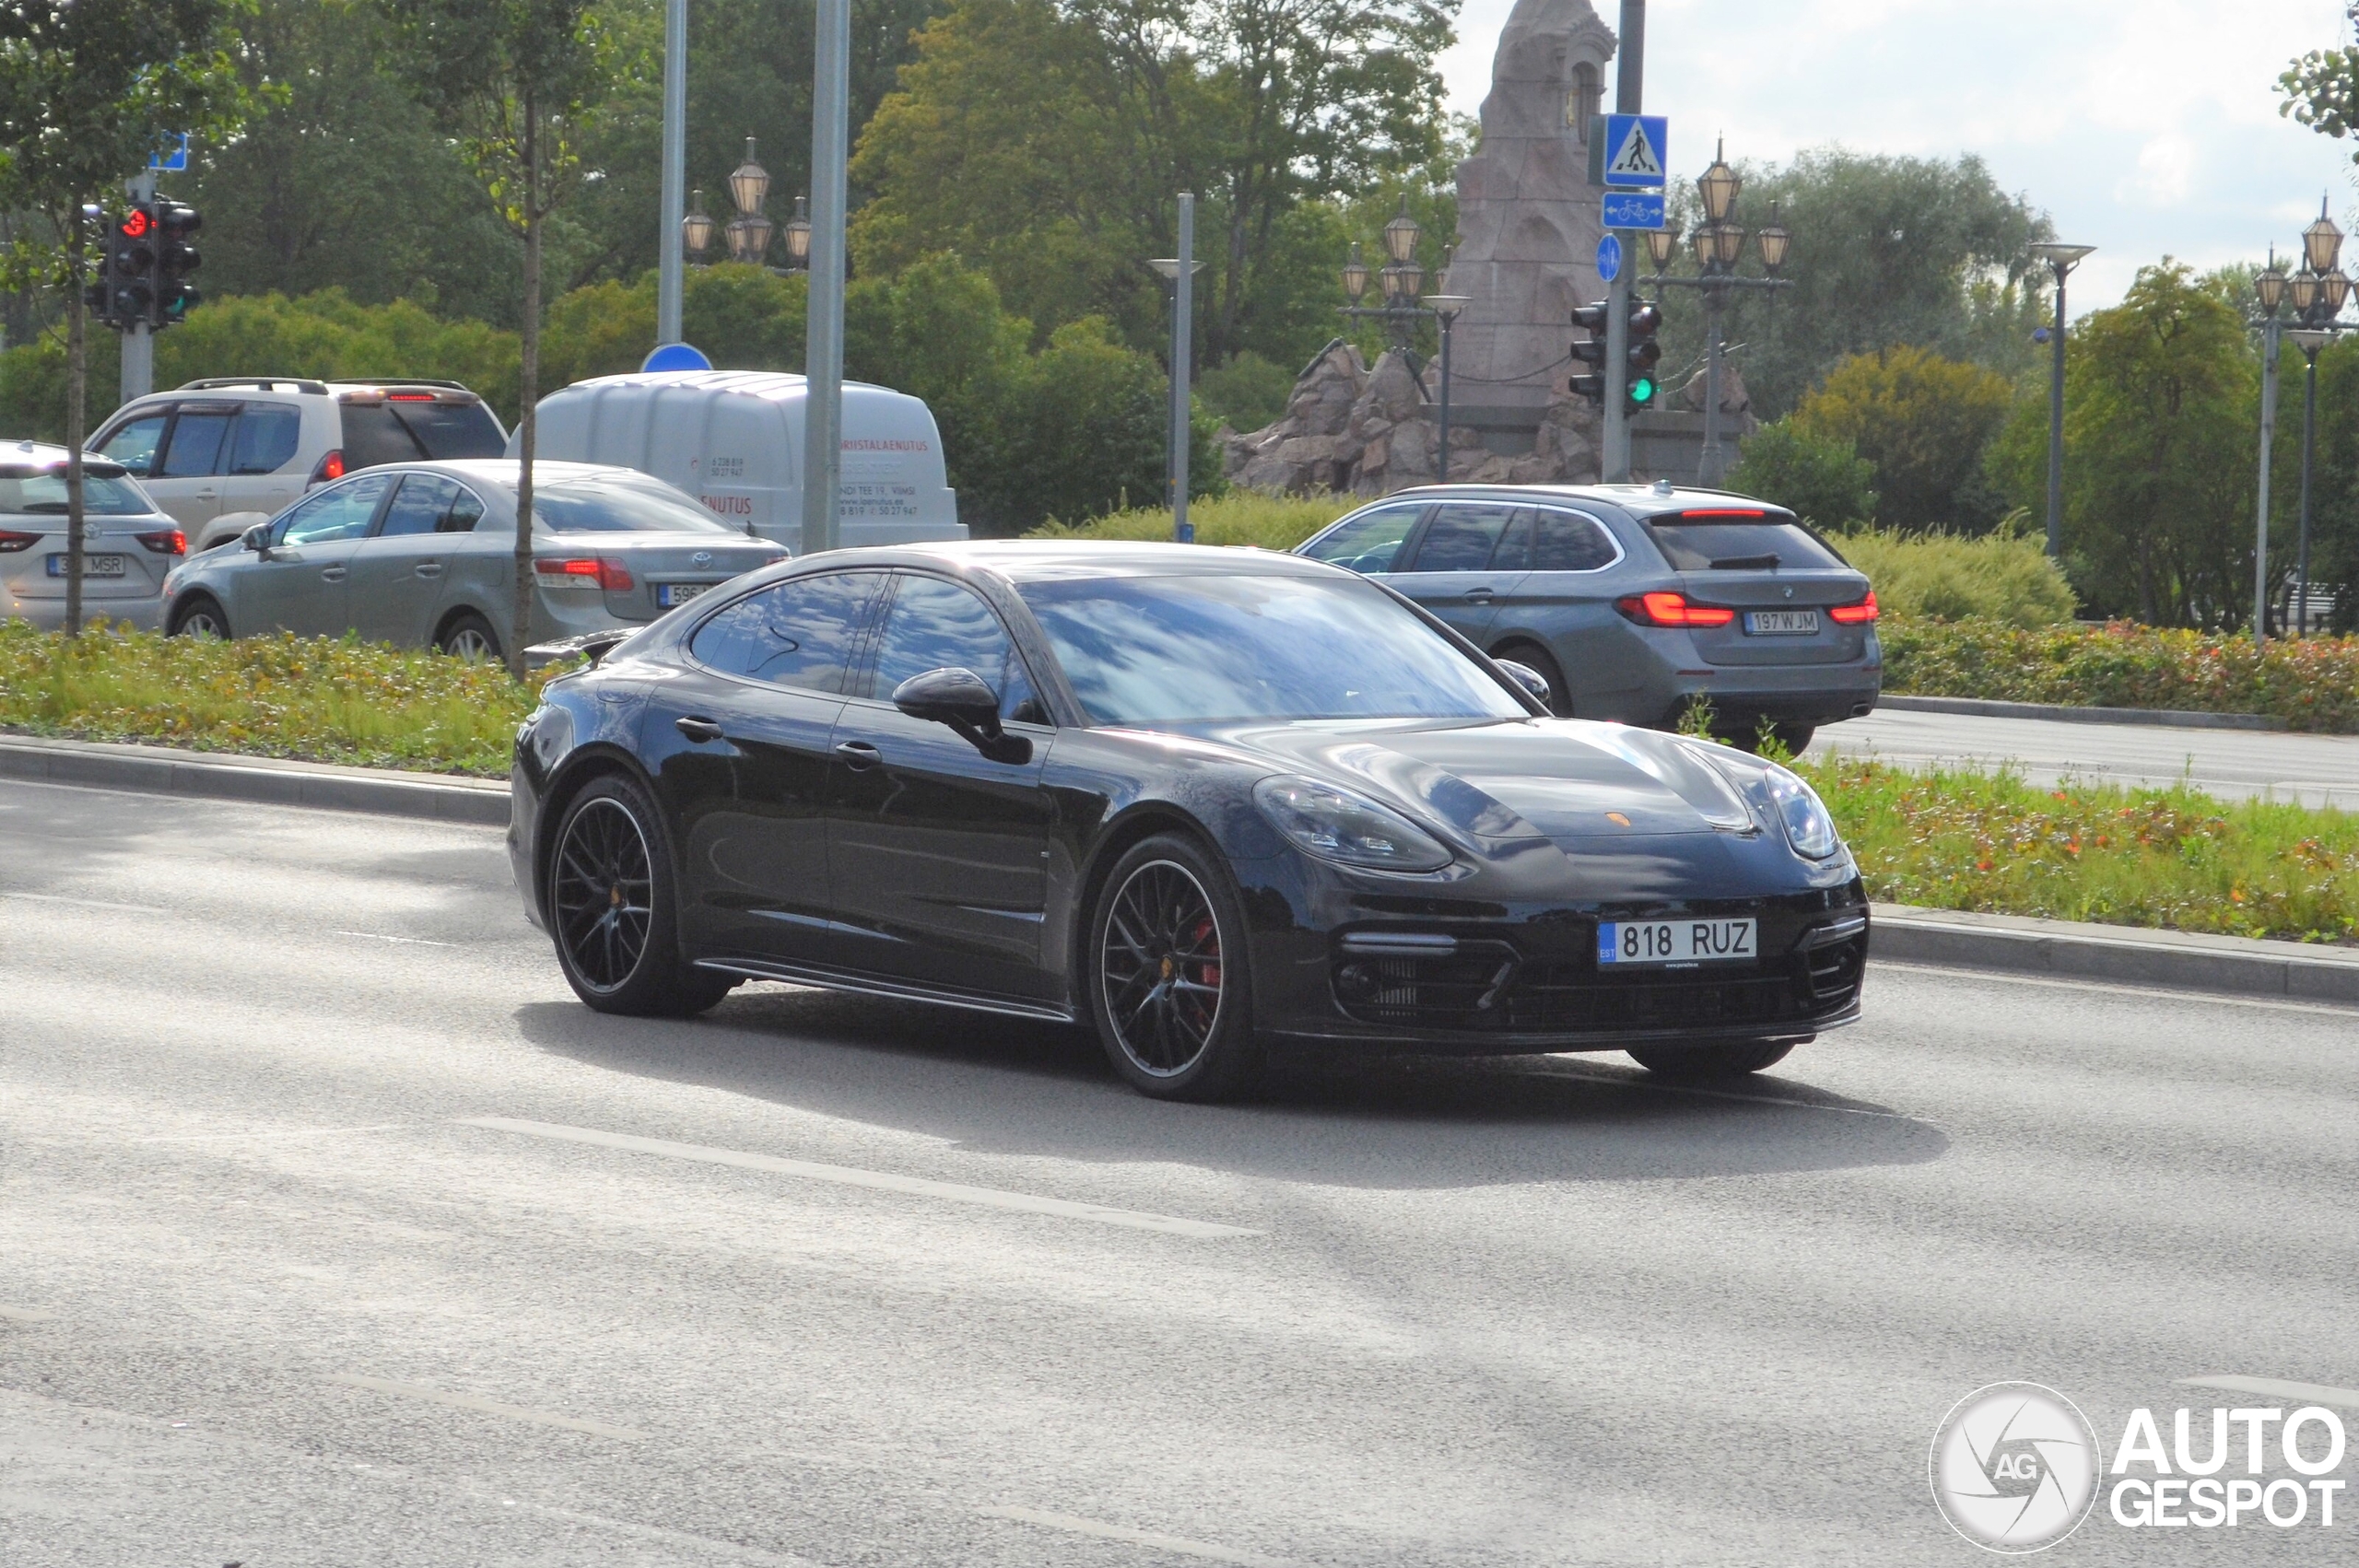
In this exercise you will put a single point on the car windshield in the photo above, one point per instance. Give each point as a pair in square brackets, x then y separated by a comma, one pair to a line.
[45, 492]
[1721, 544]
[619, 506]
[1152, 650]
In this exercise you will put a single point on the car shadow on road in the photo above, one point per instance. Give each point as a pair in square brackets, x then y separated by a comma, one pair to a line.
[1011, 1087]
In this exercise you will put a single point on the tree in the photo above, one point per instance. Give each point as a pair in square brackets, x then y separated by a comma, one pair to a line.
[516, 82]
[2321, 87]
[2160, 405]
[89, 91]
[1924, 422]
[1818, 478]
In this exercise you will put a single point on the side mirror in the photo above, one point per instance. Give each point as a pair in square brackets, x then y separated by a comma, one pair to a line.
[257, 539]
[964, 701]
[1530, 679]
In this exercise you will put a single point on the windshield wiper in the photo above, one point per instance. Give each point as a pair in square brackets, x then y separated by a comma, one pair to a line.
[1745, 563]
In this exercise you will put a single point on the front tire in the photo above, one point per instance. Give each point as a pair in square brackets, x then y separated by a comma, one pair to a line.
[200, 616]
[613, 908]
[469, 635]
[1169, 976]
[1732, 1059]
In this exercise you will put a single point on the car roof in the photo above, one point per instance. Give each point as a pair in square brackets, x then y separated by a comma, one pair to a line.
[1638, 500]
[1036, 560]
[503, 470]
[22, 460]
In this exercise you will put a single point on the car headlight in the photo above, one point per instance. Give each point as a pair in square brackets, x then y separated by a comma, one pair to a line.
[1809, 827]
[1335, 825]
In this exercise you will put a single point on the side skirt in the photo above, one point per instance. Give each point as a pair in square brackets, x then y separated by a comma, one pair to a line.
[867, 985]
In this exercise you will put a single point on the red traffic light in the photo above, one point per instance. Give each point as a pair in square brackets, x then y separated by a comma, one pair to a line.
[135, 224]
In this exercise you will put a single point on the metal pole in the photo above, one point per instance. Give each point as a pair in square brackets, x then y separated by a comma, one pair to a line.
[2056, 426]
[2302, 558]
[1707, 472]
[139, 341]
[1629, 81]
[668, 265]
[822, 364]
[1183, 334]
[2260, 526]
[1441, 461]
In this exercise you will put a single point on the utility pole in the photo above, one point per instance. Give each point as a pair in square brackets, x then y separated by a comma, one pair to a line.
[823, 362]
[138, 338]
[1183, 333]
[668, 265]
[2268, 337]
[1630, 55]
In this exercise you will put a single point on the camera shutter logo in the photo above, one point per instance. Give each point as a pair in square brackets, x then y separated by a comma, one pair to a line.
[2015, 1467]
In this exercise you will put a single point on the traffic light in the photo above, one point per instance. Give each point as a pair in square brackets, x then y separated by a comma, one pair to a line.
[1645, 352]
[1592, 320]
[130, 265]
[175, 259]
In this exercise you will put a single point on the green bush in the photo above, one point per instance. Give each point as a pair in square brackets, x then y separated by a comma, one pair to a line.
[1240, 517]
[1247, 393]
[2003, 577]
[1820, 479]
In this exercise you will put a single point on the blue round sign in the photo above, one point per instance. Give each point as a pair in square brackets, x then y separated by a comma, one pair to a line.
[1609, 259]
[677, 356]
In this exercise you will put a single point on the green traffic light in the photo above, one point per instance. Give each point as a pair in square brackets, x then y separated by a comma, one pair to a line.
[1642, 389]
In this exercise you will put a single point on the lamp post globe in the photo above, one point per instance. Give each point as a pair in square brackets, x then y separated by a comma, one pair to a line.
[2268, 286]
[1355, 275]
[1719, 186]
[2335, 288]
[798, 234]
[1401, 236]
[698, 229]
[749, 183]
[1660, 242]
[2302, 291]
[2321, 242]
[1775, 240]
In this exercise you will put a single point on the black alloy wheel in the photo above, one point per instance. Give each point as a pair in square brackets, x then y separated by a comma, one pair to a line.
[612, 911]
[1560, 699]
[201, 617]
[1728, 1060]
[1171, 988]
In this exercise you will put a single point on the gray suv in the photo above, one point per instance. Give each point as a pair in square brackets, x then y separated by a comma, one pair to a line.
[1635, 601]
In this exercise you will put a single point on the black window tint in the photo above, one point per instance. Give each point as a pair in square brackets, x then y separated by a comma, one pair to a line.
[797, 634]
[1370, 542]
[466, 510]
[372, 436]
[267, 436]
[1738, 545]
[134, 445]
[196, 441]
[1460, 537]
[935, 624]
[418, 507]
[1567, 542]
[451, 431]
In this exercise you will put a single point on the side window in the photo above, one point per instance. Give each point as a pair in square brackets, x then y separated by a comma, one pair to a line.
[796, 634]
[133, 446]
[1462, 537]
[1567, 542]
[1369, 542]
[267, 437]
[420, 506]
[466, 510]
[338, 513]
[935, 624]
[198, 438]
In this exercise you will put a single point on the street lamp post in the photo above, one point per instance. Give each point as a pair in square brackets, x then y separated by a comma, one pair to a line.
[2318, 294]
[2060, 259]
[1180, 272]
[2271, 288]
[1719, 243]
[1398, 282]
[749, 231]
[1446, 308]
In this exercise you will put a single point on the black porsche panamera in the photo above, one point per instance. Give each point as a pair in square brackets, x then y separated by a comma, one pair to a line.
[1211, 802]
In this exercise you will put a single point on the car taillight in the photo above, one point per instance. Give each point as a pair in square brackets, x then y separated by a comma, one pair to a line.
[11, 543]
[1668, 607]
[409, 397]
[582, 571]
[166, 542]
[331, 467]
[1857, 614]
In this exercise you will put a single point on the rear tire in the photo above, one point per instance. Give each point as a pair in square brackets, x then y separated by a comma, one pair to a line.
[1169, 975]
[200, 616]
[469, 635]
[613, 908]
[1560, 696]
[1732, 1059]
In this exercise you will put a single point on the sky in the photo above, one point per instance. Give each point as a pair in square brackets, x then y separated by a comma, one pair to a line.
[2143, 127]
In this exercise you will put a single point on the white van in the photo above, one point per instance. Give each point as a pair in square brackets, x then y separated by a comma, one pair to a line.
[733, 439]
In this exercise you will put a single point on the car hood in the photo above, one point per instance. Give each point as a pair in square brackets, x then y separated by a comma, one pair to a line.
[1570, 781]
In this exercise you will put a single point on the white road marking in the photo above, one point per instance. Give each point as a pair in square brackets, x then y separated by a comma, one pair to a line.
[2274, 1388]
[1178, 1545]
[883, 1181]
[406, 940]
[2151, 993]
[25, 1315]
[82, 903]
[249, 1137]
[484, 1407]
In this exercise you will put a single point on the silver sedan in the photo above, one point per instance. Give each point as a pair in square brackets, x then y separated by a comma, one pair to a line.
[424, 554]
[127, 545]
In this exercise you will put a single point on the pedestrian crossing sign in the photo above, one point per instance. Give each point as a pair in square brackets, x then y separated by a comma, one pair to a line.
[1637, 147]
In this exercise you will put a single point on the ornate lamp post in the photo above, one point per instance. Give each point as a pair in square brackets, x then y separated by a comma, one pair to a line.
[749, 231]
[1397, 283]
[798, 235]
[2060, 259]
[1719, 243]
[698, 229]
[2317, 294]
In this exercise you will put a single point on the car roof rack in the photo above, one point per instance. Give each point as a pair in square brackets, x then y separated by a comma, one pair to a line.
[260, 383]
[394, 382]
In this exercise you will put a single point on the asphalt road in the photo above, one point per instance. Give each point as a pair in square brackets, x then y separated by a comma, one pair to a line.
[333, 1231]
[2232, 764]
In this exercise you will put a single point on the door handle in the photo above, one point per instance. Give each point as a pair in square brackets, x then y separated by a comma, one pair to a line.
[428, 568]
[859, 754]
[330, 574]
[698, 730]
[1478, 593]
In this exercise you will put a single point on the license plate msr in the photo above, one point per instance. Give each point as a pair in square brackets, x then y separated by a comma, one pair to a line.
[92, 566]
[1781, 622]
[1633, 943]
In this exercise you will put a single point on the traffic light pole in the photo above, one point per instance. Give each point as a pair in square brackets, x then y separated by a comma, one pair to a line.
[823, 356]
[669, 273]
[1628, 86]
[139, 339]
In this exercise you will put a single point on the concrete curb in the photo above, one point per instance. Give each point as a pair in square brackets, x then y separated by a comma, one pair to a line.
[166, 770]
[2175, 718]
[2167, 960]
